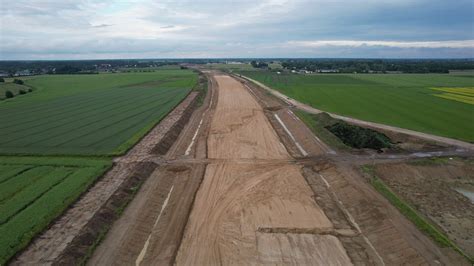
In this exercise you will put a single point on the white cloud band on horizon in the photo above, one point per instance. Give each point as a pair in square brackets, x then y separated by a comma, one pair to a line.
[62, 29]
[393, 44]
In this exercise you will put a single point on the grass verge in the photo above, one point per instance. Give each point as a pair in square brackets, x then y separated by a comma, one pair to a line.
[201, 87]
[317, 123]
[427, 228]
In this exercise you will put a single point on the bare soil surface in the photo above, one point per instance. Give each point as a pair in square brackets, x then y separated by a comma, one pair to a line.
[247, 213]
[430, 186]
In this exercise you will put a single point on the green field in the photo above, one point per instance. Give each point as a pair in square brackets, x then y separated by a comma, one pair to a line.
[422, 102]
[103, 114]
[10, 86]
[35, 190]
[93, 116]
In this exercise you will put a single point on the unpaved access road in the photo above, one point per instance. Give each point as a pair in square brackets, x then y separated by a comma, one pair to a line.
[244, 213]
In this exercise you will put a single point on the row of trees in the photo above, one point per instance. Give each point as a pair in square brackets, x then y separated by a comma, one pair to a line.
[79, 66]
[16, 81]
[256, 64]
[380, 65]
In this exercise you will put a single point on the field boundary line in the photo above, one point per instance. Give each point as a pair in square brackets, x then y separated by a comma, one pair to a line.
[294, 103]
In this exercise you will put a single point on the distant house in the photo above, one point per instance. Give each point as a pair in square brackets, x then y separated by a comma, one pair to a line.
[25, 72]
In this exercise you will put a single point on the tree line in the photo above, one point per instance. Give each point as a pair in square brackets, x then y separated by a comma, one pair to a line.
[380, 65]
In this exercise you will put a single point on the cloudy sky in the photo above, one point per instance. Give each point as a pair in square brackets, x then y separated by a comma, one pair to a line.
[88, 29]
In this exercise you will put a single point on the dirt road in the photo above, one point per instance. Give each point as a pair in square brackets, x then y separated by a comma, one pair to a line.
[245, 213]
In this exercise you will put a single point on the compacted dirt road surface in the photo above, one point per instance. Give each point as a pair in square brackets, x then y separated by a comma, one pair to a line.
[253, 212]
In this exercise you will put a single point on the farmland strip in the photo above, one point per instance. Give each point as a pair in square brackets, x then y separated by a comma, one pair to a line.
[16, 184]
[65, 113]
[21, 200]
[9, 171]
[19, 230]
[70, 120]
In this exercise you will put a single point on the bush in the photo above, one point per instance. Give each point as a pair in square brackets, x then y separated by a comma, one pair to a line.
[2, 80]
[22, 92]
[30, 90]
[359, 137]
[18, 81]
[9, 94]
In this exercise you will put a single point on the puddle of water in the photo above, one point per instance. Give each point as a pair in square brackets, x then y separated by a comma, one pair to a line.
[468, 193]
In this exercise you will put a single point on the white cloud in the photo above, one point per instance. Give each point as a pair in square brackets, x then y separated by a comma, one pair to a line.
[32, 29]
[395, 44]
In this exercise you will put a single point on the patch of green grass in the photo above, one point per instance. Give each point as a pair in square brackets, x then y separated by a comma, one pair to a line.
[359, 137]
[201, 87]
[103, 114]
[38, 191]
[440, 238]
[402, 100]
[13, 87]
[318, 123]
[431, 161]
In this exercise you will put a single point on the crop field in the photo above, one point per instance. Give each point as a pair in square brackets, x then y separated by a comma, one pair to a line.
[433, 103]
[35, 190]
[88, 115]
[102, 114]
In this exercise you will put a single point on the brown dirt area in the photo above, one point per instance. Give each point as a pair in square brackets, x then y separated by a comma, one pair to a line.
[429, 186]
[237, 199]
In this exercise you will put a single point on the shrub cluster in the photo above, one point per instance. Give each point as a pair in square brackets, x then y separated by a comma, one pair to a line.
[9, 94]
[359, 137]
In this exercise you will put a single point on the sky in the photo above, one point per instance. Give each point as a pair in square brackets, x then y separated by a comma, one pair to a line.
[88, 29]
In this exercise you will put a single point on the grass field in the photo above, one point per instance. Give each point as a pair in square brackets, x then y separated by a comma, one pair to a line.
[35, 190]
[412, 101]
[102, 114]
[88, 115]
[10, 86]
